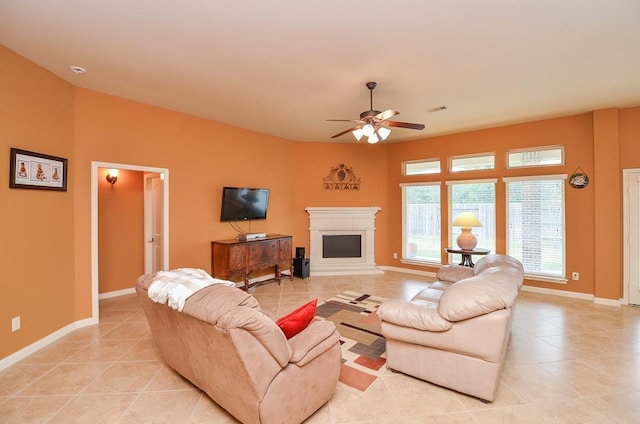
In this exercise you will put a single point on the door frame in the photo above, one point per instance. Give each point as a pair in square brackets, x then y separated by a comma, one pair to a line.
[95, 166]
[626, 216]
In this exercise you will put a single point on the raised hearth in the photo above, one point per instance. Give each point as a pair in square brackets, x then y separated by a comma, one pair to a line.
[342, 221]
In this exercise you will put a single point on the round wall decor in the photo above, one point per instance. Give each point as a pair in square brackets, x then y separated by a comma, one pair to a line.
[579, 179]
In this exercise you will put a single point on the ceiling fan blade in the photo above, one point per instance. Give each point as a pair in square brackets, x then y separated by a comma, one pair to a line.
[346, 120]
[383, 116]
[344, 132]
[405, 125]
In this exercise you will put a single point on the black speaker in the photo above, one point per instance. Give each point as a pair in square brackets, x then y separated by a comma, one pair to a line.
[301, 267]
[299, 252]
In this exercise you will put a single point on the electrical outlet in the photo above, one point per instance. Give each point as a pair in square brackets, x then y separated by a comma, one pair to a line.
[575, 276]
[395, 255]
[15, 324]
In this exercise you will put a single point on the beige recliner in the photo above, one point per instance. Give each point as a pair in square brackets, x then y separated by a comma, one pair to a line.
[224, 344]
[455, 332]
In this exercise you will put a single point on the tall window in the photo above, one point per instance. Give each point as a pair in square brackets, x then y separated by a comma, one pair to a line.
[421, 222]
[536, 225]
[479, 197]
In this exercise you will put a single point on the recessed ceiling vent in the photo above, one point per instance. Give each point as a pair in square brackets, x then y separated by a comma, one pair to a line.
[78, 70]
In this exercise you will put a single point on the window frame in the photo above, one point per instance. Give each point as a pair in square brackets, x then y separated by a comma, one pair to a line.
[452, 241]
[539, 276]
[430, 160]
[475, 155]
[535, 149]
[405, 259]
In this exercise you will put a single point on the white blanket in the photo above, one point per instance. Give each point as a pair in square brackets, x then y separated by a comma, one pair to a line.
[175, 286]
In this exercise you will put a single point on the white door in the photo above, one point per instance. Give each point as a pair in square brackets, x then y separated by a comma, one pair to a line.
[633, 246]
[153, 221]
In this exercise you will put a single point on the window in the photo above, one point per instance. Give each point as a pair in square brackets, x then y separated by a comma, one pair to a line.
[535, 224]
[546, 156]
[479, 197]
[422, 167]
[421, 222]
[473, 163]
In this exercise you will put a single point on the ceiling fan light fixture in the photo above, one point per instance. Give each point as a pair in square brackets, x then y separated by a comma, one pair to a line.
[374, 124]
[368, 130]
[358, 133]
[384, 133]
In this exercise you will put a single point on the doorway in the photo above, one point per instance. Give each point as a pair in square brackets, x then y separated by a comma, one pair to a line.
[159, 200]
[153, 221]
[631, 223]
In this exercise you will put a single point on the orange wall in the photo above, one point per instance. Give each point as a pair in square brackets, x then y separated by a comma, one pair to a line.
[574, 132]
[120, 230]
[202, 156]
[607, 205]
[629, 134]
[36, 226]
[313, 163]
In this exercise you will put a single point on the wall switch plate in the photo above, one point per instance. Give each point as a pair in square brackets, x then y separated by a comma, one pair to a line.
[15, 323]
[395, 255]
[575, 276]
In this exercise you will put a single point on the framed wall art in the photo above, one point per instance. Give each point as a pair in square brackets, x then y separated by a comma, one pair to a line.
[37, 171]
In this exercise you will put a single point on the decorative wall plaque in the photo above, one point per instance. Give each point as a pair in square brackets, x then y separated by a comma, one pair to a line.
[579, 179]
[341, 177]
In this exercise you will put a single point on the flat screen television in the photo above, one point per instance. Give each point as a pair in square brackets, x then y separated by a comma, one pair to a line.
[243, 204]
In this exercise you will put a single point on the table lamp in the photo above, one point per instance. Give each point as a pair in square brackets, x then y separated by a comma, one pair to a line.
[466, 220]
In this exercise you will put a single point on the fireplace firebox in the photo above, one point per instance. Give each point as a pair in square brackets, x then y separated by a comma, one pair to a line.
[342, 246]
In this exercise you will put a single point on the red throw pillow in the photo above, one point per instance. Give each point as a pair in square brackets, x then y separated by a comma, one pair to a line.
[296, 321]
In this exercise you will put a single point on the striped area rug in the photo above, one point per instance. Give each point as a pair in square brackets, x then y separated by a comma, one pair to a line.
[363, 346]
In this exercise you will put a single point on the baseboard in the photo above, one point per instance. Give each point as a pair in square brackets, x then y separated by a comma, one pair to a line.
[116, 293]
[34, 347]
[563, 293]
[608, 302]
[408, 271]
[574, 295]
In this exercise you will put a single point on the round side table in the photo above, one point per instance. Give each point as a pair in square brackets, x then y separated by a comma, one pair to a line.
[466, 254]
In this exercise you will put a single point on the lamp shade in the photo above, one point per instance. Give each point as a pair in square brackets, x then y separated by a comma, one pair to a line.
[368, 130]
[358, 133]
[467, 220]
[373, 133]
[373, 139]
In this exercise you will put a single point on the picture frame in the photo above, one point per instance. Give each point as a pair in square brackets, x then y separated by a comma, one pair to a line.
[38, 171]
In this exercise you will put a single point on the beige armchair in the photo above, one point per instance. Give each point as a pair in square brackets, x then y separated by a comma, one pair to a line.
[227, 346]
[455, 332]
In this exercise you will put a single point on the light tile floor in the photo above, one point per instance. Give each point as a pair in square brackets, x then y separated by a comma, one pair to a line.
[569, 361]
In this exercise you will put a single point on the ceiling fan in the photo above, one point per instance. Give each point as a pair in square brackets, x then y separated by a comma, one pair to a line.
[375, 124]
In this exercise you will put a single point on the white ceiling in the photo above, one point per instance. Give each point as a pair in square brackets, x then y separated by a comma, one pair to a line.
[284, 66]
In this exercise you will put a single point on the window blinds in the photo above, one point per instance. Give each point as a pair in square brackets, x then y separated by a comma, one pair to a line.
[536, 224]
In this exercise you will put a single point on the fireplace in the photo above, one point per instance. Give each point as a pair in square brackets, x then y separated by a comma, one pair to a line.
[342, 240]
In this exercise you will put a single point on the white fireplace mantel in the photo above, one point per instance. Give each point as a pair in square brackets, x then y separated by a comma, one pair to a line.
[342, 221]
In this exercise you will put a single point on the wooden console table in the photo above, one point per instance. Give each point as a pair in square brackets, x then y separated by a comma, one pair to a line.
[238, 259]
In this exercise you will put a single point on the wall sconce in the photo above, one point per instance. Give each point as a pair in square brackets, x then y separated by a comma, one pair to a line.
[112, 176]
